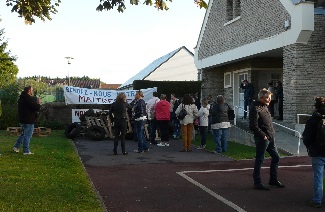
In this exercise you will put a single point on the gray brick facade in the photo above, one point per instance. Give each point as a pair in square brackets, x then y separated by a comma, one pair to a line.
[304, 72]
[259, 19]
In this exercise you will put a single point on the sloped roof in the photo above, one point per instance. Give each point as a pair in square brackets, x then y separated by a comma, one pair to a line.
[91, 83]
[110, 86]
[152, 67]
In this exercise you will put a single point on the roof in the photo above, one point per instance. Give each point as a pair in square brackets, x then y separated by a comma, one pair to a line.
[152, 67]
[90, 83]
[109, 86]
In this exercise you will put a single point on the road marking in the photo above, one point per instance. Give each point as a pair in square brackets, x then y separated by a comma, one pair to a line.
[217, 196]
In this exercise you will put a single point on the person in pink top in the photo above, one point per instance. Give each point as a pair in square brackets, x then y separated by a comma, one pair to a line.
[162, 109]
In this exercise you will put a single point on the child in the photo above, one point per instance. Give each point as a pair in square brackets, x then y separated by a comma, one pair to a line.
[203, 122]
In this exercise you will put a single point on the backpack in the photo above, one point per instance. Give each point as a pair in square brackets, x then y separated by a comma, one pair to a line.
[320, 137]
[182, 113]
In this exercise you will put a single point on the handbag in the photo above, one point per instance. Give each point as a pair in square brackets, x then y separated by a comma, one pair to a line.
[182, 113]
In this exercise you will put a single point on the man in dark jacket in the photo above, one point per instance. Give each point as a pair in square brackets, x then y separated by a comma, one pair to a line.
[316, 151]
[28, 106]
[260, 122]
[248, 95]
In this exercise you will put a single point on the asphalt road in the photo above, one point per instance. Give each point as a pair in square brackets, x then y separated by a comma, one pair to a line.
[165, 179]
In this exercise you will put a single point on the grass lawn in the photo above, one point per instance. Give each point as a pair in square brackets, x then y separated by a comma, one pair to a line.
[235, 150]
[53, 179]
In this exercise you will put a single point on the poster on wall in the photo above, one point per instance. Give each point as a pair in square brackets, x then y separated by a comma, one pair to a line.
[76, 95]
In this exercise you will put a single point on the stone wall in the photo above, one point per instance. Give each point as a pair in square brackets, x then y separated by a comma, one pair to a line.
[258, 20]
[304, 73]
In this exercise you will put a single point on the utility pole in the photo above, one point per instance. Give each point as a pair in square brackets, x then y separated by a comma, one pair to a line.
[69, 63]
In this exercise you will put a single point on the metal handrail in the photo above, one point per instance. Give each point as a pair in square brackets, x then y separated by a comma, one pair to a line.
[299, 134]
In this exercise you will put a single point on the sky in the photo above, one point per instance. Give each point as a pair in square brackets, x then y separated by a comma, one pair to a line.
[108, 45]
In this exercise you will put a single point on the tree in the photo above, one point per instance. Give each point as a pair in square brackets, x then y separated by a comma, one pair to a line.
[8, 70]
[30, 9]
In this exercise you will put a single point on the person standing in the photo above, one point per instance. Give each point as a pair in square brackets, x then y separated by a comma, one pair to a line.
[27, 109]
[273, 98]
[187, 122]
[203, 122]
[220, 124]
[140, 119]
[279, 94]
[248, 95]
[119, 110]
[151, 117]
[162, 109]
[174, 102]
[260, 122]
[316, 151]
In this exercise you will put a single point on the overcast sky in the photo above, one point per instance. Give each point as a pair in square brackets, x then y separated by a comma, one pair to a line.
[108, 45]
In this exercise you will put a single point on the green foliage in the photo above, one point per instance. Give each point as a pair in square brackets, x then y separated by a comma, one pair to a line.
[30, 9]
[9, 97]
[8, 70]
[180, 88]
[53, 179]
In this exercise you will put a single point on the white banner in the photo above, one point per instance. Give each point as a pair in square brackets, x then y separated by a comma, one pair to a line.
[76, 113]
[76, 95]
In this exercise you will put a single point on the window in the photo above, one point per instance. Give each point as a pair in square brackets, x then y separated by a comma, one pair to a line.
[233, 9]
[227, 79]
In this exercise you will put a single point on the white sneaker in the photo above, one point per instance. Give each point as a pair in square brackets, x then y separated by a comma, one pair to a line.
[161, 144]
[201, 147]
[28, 153]
[15, 149]
[166, 144]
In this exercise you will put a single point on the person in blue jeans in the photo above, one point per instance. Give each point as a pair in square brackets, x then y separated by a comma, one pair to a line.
[28, 106]
[220, 124]
[260, 122]
[316, 151]
[140, 119]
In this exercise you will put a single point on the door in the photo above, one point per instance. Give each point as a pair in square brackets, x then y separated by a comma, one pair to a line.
[241, 78]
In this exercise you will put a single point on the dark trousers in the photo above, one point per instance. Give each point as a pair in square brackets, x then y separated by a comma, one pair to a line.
[280, 108]
[261, 147]
[247, 103]
[119, 133]
[203, 133]
[163, 127]
[153, 129]
[271, 107]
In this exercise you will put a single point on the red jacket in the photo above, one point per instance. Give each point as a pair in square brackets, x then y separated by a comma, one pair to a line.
[162, 109]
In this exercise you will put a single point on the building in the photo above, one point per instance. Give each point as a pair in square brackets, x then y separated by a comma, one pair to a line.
[264, 41]
[177, 65]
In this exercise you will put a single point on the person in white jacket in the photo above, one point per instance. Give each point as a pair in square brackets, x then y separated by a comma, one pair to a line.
[204, 122]
[187, 122]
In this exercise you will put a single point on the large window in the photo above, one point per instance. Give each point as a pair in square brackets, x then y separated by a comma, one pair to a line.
[233, 9]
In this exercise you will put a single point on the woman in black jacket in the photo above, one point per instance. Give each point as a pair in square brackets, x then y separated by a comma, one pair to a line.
[119, 110]
[316, 151]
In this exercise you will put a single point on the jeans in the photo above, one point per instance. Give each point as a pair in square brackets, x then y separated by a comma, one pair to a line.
[176, 128]
[142, 143]
[25, 136]
[203, 133]
[247, 103]
[221, 139]
[318, 170]
[153, 129]
[262, 146]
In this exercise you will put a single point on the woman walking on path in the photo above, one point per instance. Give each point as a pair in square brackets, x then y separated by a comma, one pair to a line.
[220, 124]
[162, 109]
[187, 122]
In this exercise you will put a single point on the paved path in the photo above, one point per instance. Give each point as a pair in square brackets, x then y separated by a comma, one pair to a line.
[164, 179]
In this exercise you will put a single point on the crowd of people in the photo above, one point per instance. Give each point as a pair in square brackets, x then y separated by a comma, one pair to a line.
[214, 115]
